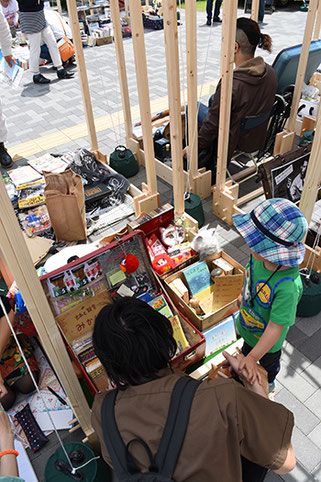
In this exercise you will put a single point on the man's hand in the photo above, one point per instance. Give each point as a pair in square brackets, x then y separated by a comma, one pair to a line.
[249, 366]
[10, 60]
[3, 390]
[186, 152]
[233, 363]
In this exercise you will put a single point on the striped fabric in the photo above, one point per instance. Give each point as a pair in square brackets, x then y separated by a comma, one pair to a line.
[275, 218]
[32, 22]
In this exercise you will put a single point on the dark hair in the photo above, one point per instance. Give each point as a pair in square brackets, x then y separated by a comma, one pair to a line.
[133, 341]
[252, 38]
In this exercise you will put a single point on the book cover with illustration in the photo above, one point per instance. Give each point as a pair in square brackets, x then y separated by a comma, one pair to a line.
[198, 278]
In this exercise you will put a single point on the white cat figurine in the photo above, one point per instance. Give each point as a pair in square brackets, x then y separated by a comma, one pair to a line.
[205, 242]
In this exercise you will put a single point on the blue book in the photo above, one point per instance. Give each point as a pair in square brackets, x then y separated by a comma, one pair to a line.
[198, 277]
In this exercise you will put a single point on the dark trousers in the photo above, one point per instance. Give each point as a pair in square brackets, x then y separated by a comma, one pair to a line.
[252, 472]
[270, 361]
[261, 10]
[209, 8]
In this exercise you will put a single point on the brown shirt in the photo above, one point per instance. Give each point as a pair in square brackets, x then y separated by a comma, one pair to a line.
[226, 421]
[253, 94]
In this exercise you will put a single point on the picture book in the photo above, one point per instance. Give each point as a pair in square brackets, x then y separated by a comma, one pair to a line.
[24, 175]
[160, 304]
[198, 277]
[48, 163]
[220, 335]
[179, 335]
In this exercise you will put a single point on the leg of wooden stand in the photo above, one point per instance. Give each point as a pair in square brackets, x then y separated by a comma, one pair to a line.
[82, 72]
[255, 10]
[316, 34]
[174, 101]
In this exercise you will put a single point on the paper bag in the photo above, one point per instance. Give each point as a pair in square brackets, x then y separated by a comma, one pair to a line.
[65, 201]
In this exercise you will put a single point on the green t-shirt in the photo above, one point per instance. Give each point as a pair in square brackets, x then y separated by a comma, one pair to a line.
[277, 302]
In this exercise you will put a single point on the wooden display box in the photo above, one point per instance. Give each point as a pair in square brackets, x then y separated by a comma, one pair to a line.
[104, 40]
[161, 218]
[97, 286]
[202, 323]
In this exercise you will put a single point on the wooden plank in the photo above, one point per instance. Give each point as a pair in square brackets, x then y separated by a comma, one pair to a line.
[174, 102]
[223, 205]
[82, 72]
[146, 204]
[143, 91]
[202, 184]
[313, 175]
[59, 7]
[302, 63]
[287, 142]
[308, 124]
[248, 197]
[20, 264]
[316, 33]
[277, 143]
[191, 65]
[227, 60]
[255, 10]
[121, 65]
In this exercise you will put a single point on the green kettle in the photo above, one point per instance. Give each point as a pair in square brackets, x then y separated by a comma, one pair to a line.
[122, 160]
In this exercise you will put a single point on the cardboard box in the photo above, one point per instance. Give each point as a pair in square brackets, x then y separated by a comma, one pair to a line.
[230, 287]
[104, 40]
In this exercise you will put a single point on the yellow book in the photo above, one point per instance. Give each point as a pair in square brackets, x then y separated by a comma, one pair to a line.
[179, 334]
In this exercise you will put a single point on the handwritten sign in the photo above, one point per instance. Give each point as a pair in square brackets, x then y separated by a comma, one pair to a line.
[226, 289]
[81, 319]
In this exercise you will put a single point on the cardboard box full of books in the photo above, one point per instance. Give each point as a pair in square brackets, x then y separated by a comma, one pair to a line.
[215, 298]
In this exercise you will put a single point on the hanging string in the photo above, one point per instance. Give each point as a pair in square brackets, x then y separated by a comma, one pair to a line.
[312, 252]
[73, 470]
[191, 142]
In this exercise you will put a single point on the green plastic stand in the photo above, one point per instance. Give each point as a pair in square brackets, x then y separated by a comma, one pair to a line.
[193, 207]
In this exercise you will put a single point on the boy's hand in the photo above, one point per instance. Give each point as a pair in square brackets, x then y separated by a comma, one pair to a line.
[249, 364]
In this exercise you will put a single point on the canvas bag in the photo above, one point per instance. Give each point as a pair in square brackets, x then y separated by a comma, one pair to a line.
[65, 46]
[65, 201]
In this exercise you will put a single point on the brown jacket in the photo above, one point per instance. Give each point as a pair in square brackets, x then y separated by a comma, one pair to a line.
[254, 89]
[226, 421]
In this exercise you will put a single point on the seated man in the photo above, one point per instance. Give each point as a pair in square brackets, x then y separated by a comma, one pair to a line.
[254, 89]
[230, 428]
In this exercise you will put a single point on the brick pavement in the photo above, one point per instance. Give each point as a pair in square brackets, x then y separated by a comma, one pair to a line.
[39, 111]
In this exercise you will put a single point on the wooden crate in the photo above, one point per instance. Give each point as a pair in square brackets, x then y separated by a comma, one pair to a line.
[213, 318]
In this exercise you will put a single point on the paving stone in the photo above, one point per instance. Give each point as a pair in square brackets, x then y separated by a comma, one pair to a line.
[308, 454]
[296, 384]
[317, 473]
[309, 325]
[304, 419]
[313, 373]
[294, 358]
[314, 403]
[311, 346]
[295, 336]
[272, 477]
[315, 435]
[298, 474]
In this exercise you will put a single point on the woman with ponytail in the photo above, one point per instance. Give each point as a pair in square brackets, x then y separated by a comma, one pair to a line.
[253, 95]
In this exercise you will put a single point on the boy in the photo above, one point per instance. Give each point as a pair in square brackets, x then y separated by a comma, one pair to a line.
[272, 287]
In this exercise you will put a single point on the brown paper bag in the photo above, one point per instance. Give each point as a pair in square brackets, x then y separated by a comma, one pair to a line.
[65, 201]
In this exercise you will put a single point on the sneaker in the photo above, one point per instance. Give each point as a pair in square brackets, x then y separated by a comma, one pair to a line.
[40, 79]
[217, 20]
[209, 22]
[63, 74]
[5, 158]
[271, 394]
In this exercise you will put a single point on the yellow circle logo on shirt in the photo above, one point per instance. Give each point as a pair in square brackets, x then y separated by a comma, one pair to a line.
[265, 294]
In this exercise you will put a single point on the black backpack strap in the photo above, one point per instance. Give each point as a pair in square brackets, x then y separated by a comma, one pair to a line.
[116, 448]
[176, 425]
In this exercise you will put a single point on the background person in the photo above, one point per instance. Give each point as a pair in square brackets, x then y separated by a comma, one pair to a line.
[59, 28]
[10, 11]
[33, 23]
[227, 421]
[253, 94]
[217, 8]
[5, 42]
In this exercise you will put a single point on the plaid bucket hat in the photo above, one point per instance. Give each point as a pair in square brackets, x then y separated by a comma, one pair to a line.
[274, 230]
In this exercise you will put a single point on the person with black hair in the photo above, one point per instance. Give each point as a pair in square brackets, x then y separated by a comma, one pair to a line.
[253, 95]
[231, 428]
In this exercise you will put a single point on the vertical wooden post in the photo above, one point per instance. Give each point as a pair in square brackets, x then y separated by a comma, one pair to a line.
[313, 175]
[191, 65]
[227, 61]
[82, 72]
[316, 34]
[255, 10]
[59, 7]
[118, 39]
[302, 63]
[19, 261]
[143, 92]
[174, 102]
